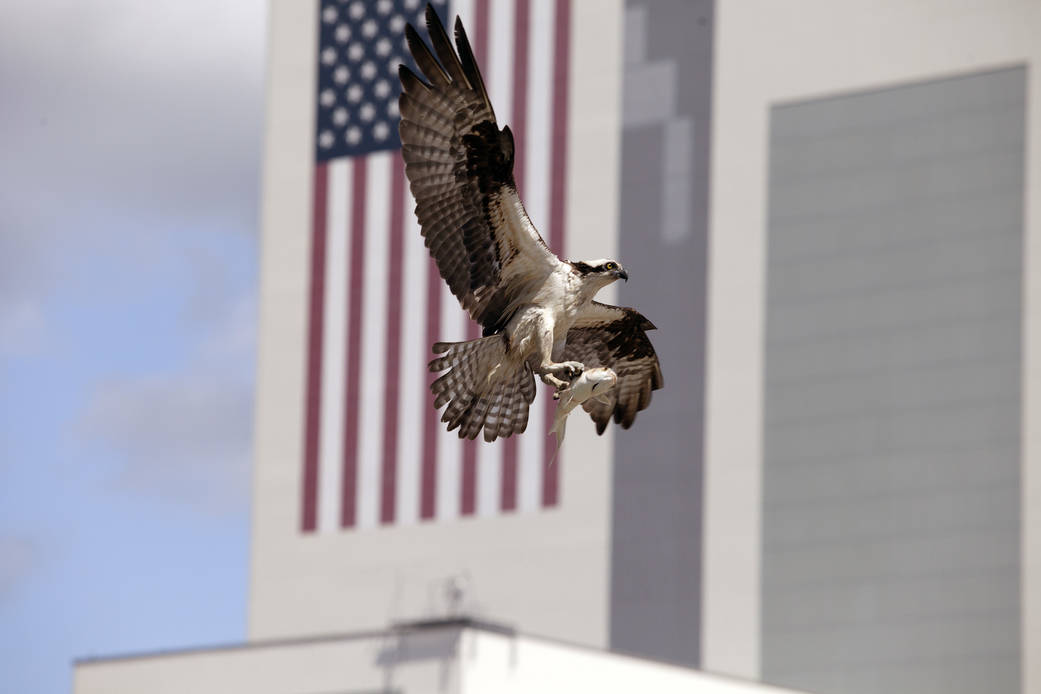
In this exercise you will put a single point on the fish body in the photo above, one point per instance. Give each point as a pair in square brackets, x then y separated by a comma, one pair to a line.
[593, 383]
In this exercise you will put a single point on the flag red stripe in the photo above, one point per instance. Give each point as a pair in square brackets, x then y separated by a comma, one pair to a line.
[480, 34]
[309, 505]
[558, 190]
[428, 473]
[468, 489]
[468, 482]
[356, 284]
[522, 11]
[479, 37]
[389, 477]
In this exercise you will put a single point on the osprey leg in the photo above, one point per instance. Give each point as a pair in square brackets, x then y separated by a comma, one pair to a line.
[557, 374]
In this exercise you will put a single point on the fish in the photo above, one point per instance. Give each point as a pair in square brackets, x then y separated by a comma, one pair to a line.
[594, 382]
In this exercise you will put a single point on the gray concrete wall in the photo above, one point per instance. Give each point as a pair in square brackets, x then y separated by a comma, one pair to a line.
[891, 481]
[656, 516]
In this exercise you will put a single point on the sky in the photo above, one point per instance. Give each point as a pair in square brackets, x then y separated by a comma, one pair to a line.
[131, 140]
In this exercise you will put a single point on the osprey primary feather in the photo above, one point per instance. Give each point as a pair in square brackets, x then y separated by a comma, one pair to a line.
[536, 311]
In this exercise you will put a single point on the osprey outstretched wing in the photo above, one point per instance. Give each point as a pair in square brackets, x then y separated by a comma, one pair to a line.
[533, 307]
[616, 337]
[460, 167]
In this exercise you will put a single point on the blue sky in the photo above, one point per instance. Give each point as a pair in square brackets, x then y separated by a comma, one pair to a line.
[131, 135]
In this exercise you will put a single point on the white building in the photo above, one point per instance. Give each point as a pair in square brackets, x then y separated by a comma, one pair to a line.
[825, 209]
[449, 656]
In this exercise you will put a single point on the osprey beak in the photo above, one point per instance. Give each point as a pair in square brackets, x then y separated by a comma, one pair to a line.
[622, 274]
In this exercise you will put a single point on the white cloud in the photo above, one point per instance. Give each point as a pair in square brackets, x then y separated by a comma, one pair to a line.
[104, 111]
[123, 123]
[128, 38]
[129, 128]
[182, 437]
[185, 435]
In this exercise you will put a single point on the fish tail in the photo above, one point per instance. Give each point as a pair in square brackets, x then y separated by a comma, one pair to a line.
[559, 428]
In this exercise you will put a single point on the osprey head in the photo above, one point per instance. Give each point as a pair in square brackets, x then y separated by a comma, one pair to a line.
[602, 272]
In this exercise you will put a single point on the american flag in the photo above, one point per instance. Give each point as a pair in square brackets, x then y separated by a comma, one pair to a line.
[375, 452]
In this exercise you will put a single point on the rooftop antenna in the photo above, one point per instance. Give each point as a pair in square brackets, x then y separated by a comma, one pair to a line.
[456, 594]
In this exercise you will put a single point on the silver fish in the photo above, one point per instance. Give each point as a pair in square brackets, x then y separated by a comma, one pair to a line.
[593, 383]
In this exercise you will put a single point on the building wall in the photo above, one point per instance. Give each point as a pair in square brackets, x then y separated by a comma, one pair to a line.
[621, 561]
[657, 503]
[766, 56]
[497, 663]
[363, 663]
[891, 452]
[546, 572]
[443, 660]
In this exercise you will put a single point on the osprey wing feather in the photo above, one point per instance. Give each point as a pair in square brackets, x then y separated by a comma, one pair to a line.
[460, 168]
[616, 337]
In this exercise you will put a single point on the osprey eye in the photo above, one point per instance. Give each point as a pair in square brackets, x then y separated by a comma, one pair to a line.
[610, 266]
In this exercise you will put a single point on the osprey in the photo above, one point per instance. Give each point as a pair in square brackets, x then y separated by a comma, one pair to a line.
[536, 311]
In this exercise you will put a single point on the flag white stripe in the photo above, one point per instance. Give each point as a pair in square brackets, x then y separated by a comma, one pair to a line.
[449, 447]
[334, 344]
[373, 337]
[489, 477]
[538, 145]
[499, 76]
[414, 403]
[464, 9]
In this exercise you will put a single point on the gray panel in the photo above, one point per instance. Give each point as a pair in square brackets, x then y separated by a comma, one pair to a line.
[891, 481]
[656, 517]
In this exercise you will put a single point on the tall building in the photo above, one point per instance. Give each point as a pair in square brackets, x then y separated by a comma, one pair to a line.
[825, 209]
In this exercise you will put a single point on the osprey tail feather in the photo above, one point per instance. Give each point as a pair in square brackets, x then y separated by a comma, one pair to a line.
[482, 389]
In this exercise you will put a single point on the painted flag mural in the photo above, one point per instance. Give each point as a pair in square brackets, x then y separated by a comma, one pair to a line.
[374, 450]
